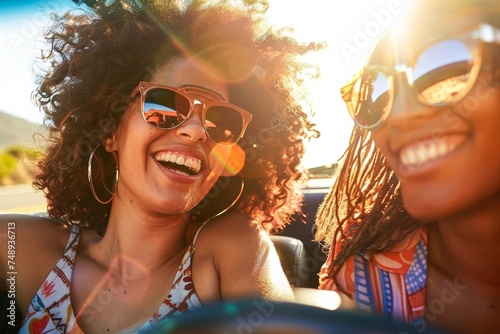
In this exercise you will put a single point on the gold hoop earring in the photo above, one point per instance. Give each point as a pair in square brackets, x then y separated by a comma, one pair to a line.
[100, 174]
[222, 197]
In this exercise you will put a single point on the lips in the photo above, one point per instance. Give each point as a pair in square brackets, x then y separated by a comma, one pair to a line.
[178, 162]
[430, 149]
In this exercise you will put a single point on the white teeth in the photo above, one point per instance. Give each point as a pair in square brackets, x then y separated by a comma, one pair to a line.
[425, 151]
[179, 159]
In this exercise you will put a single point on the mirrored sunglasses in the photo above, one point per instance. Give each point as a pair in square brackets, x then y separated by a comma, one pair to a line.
[165, 107]
[442, 74]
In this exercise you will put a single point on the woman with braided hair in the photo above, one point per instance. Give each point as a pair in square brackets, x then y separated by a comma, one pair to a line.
[413, 218]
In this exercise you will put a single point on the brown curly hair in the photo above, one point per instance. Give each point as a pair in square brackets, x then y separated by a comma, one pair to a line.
[98, 55]
[364, 212]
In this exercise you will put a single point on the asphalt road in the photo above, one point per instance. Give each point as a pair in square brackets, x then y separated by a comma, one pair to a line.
[21, 199]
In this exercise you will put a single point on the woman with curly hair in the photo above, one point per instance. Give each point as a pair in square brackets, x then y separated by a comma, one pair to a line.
[413, 218]
[175, 139]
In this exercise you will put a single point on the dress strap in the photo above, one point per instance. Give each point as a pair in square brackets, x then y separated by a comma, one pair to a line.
[75, 233]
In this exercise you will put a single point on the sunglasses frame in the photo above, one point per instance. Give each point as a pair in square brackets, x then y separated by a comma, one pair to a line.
[486, 33]
[187, 91]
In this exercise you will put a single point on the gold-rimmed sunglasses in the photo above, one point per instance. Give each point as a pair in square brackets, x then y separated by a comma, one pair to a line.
[442, 74]
[165, 107]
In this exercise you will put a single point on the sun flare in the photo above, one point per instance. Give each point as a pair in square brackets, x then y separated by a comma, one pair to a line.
[350, 29]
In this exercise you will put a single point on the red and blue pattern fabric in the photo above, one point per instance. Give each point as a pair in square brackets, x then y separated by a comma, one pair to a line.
[391, 283]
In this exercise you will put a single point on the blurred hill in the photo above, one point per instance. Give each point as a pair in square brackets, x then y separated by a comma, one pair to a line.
[18, 153]
[16, 131]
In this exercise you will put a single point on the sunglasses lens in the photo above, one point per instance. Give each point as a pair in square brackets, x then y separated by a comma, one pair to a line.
[165, 108]
[224, 124]
[442, 73]
[369, 98]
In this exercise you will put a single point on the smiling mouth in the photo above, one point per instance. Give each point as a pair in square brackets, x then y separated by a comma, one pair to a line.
[179, 163]
[428, 150]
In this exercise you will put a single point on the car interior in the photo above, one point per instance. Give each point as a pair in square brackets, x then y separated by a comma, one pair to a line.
[301, 257]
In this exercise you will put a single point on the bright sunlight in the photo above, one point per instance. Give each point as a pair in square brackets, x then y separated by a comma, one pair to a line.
[349, 27]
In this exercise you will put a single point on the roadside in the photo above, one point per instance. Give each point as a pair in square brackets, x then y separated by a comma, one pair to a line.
[21, 199]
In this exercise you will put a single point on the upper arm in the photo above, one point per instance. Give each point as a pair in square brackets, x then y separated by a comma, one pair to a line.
[245, 259]
[30, 247]
[10, 245]
[346, 281]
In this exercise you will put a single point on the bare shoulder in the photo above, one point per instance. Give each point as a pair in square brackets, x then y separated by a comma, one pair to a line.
[234, 231]
[242, 257]
[32, 232]
[33, 245]
[235, 227]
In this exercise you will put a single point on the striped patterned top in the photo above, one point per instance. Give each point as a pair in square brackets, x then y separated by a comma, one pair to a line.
[391, 283]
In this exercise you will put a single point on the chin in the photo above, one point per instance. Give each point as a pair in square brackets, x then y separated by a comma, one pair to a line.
[430, 212]
[426, 210]
[423, 215]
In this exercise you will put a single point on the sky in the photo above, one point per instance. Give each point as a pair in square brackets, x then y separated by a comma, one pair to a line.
[348, 27]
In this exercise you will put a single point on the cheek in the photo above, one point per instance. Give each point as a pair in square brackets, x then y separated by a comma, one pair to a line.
[129, 122]
[381, 140]
[132, 139]
[484, 161]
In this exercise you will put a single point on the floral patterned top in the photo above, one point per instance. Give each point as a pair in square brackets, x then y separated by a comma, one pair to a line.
[51, 311]
[391, 283]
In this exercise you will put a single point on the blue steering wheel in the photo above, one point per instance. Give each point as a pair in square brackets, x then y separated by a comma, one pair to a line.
[259, 316]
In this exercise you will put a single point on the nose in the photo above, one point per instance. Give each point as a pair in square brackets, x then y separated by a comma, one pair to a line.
[406, 107]
[192, 128]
